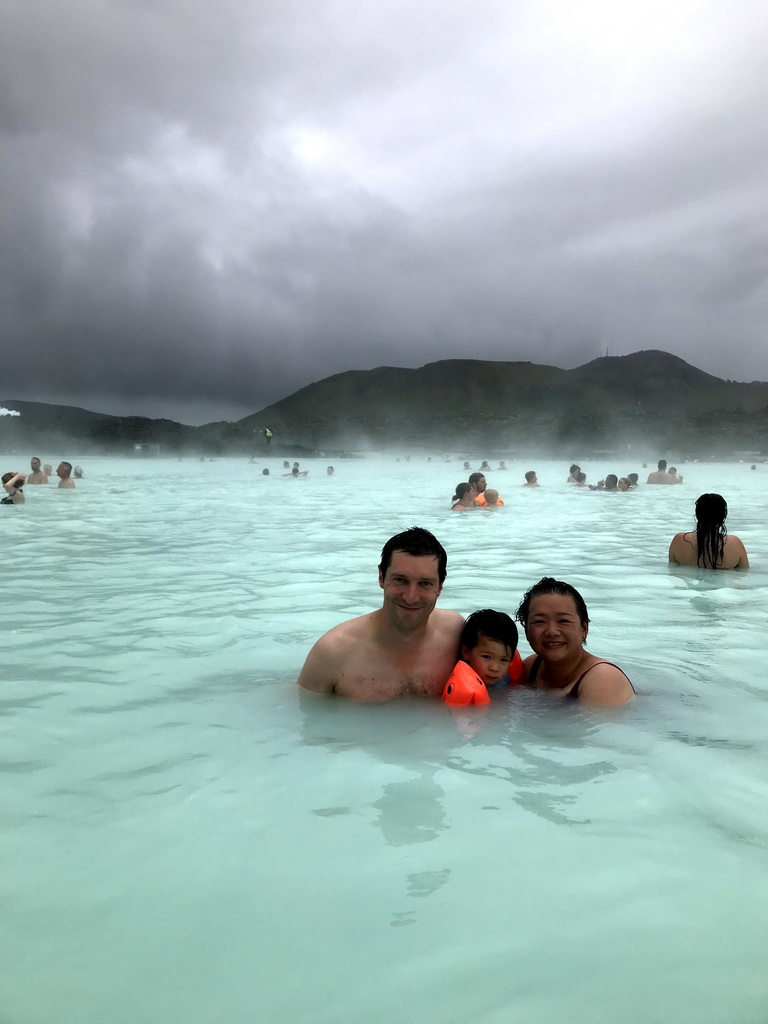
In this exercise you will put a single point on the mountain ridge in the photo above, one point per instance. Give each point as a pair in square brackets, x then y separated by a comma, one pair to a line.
[648, 396]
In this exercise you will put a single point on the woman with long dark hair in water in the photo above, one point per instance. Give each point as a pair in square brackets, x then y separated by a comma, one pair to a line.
[709, 546]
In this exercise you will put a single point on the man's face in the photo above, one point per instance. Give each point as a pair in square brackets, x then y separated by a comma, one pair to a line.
[411, 588]
[35, 464]
[62, 471]
[481, 485]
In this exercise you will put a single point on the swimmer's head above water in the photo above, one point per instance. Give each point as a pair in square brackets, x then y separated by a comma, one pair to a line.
[488, 644]
[416, 542]
[549, 585]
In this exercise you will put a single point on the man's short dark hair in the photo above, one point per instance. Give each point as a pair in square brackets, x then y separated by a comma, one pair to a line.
[474, 477]
[68, 465]
[662, 463]
[417, 542]
[492, 625]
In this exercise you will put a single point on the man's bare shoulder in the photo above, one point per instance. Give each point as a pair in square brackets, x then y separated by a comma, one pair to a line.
[447, 619]
[352, 631]
[325, 661]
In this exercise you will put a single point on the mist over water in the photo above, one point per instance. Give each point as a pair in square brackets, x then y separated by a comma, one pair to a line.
[186, 837]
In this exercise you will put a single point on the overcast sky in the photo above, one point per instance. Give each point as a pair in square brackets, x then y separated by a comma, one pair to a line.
[205, 206]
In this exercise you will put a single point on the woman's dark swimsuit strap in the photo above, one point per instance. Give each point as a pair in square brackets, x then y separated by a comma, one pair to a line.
[574, 690]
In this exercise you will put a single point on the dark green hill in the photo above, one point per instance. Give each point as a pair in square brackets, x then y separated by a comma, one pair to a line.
[648, 398]
[57, 426]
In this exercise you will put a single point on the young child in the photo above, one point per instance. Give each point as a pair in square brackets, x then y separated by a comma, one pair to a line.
[489, 657]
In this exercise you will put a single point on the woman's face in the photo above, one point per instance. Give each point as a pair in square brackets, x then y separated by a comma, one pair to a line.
[554, 630]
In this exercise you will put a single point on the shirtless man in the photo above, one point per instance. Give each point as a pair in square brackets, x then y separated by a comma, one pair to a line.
[64, 473]
[531, 480]
[405, 648]
[37, 476]
[660, 476]
[479, 485]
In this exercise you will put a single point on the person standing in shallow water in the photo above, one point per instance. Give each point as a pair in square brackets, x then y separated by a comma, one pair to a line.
[64, 473]
[556, 623]
[464, 497]
[37, 476]
[407, 647]
[13, 483]
[660, 476]
[709, 546]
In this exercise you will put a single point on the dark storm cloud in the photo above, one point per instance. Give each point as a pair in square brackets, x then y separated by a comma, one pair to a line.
[206, 208]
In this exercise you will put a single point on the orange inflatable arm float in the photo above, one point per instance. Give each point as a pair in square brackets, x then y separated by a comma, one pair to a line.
[516, 668]
[465, 686]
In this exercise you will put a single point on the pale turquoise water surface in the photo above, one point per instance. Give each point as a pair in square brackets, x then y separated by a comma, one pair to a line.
[184, 839]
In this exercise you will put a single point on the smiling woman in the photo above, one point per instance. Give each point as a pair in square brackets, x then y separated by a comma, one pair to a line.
[556, 626]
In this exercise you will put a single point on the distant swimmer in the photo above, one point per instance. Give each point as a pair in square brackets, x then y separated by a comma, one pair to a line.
[492, 499]
[265, 472]
[632, 480]
[484, 464]
[467, 466]
[556, 623]
[572, 474]
[611, 482]
[64, 473]
[581, 479]
[37, 476]
[405, 648]
[675, 478]
[48, 469]
[330, 471]
[503, 465]
[464, 497]
[13, 483]
[78, 472]
[296, 473]
[531, 480]
[709, 546]
[268, 435]
[660, 476]
[623, 484]
[479, 483]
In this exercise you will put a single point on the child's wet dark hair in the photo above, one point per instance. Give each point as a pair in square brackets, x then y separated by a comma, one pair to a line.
[492, 625]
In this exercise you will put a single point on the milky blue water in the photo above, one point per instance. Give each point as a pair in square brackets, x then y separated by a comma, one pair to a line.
[184, 838]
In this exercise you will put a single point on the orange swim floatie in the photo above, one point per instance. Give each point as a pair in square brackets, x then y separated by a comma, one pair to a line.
[516, 668]
[465, 686]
